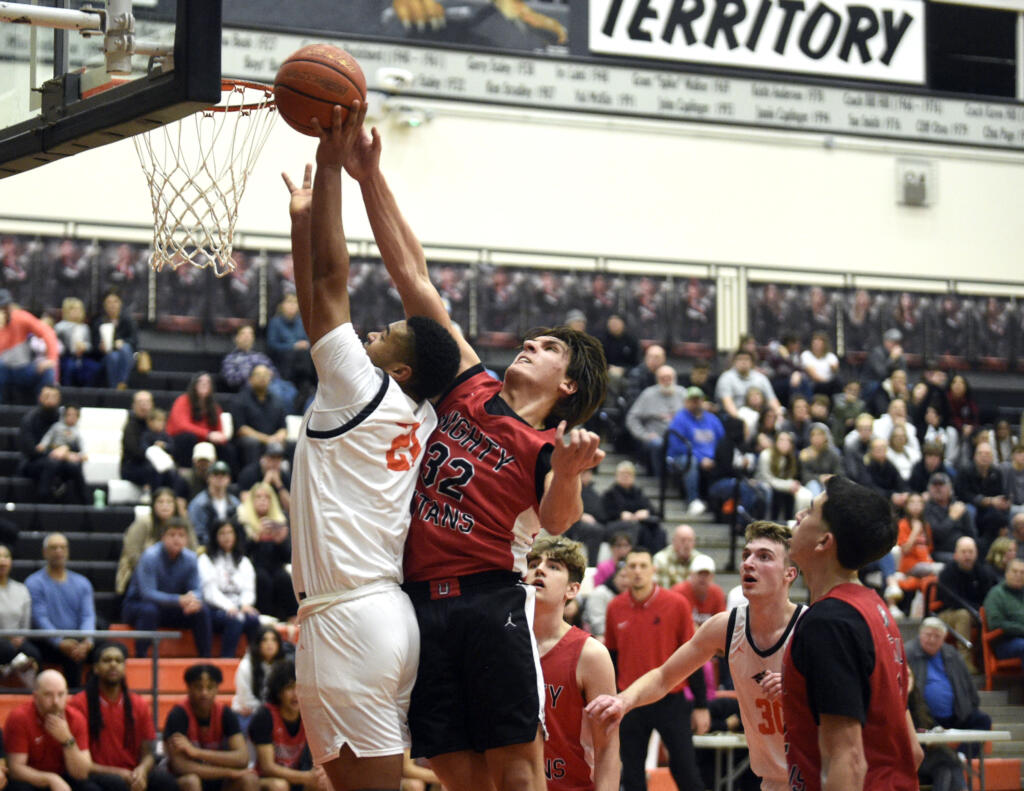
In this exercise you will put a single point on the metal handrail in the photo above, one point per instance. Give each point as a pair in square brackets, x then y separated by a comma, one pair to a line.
[156, 637]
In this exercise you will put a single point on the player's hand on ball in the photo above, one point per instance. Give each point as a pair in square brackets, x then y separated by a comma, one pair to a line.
[606, 710]
[575, 451]
[364, 158]
[298, 206]
[337, 142]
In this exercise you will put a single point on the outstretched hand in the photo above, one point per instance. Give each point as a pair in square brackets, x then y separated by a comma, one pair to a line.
[575, 451]
[364, 158]
[302, 197]
[336, 143]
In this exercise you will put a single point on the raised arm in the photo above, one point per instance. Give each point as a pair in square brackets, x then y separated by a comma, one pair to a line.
[400, 250]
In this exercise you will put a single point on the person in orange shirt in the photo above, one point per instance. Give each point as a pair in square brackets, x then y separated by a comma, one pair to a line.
[18, 365]
[915, 542]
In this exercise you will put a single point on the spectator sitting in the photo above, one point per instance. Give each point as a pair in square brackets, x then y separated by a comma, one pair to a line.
[259, 416]
[214, 504]
[931, 462]
[250, 677]
[788, 377]
[135, 467]
[798, 422]
[115, 337]
[819, 460]
[883, 360]
[121, 733]
[1013, 480]
[821, 409]
[672, 564]
[1002, 441]
[732, 386]
[18, 366]
[999, 554]
[700, 376]
[628, 509]
[271, 470]
[945, 682]
[902, 455]
[949, 518]
[1017, 531]
[589, 530]
[621, 543]
[289, 346]
[935, 431]
[621, 350]
[1004, 609]
[144, 531]
[196, 417]
[642, 375]
[283, 760]
[197, 476]
[203, 739]
[228, 582]
[751, 412]
[18, 656]
[266, 528]
[941, 767]
[981, 485]
[699, 589]
[895, 388]
[963, 585]
[779, 468]
[595, 605]
[237, 367]
[78, 368]
[649, 417]
[896, 415]
[165, 590]
[820, 365]
[846, 406]
[915, 542]
[36, 463]
[47, 741]
[963, 410]
[61, 600]
[62, 476]
[882, 475]
[702, 430]
[158, 447]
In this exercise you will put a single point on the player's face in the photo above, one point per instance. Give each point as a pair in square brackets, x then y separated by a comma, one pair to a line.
[383, 346]
[110, 667]
[201, 695]
[543, 360]
[551, 579]
[764, 570]
[290, 698]
[809, 527]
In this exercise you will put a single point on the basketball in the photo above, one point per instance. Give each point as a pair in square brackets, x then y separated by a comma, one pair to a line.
[314, 79]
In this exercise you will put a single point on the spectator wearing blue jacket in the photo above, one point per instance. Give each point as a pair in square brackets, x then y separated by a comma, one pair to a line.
[166, 590]
[702, 430]
[62, 599]
[289, 346]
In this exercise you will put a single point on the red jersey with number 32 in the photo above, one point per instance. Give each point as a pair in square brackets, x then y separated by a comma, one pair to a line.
[886, 740]
[476, 501]
[568, 750]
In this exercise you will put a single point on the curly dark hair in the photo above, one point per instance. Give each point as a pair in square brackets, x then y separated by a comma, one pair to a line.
[195, 673]
[861, 520]
[280, 677]
[588, 368]
[432, 353]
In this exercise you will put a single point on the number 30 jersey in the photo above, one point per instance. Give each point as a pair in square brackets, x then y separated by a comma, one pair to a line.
[476, 500]
[761, 715]
[356, 457]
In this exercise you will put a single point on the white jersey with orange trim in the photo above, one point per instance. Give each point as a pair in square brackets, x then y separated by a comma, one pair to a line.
[762, 716]
[358, 451]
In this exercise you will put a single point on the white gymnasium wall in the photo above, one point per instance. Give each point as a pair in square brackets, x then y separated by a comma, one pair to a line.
[622, 188]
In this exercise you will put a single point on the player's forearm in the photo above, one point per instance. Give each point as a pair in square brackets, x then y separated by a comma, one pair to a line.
[561, 506]
[843, 772]
[651, 687]
[330, 253]
[229, 759]
[186, 766]
[27, 774]
[302, 262]
[294, 777]
[607, 765]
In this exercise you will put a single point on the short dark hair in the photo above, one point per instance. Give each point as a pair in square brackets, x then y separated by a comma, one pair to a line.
[639, 550]
[174, 523]
[281, 676]
[433, 354]
[588, 368]
[196, 672]
[742, 353]
[861, 520]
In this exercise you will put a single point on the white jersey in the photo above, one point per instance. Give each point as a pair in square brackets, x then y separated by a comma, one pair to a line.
[762, 717]
[358, 450]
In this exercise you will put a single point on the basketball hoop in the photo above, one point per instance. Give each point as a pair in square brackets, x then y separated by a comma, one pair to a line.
[197, 169]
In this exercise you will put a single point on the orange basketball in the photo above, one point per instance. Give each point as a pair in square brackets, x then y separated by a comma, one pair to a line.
[314, 79]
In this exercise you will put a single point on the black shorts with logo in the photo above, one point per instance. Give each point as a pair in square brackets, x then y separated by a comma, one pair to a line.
[479, 684]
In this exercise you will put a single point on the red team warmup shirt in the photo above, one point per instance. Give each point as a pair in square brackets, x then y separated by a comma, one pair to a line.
[567, 765]
[652, 630]
[109, 749]
[24, 733]
[887, 747]
[713, 603]
[475, 505]
[288, 747]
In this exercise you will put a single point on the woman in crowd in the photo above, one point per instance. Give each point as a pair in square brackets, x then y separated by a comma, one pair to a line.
[266, 528]
[229, 586]
[915, 542]
[251, 675]
[819, 460]
[197, 417]
[963, 409]
[283, 760]
[882, 475]
[289, 347]
[1001, 552]
[821, 365]
[750, 413]
[78, 368]
[18, 657]
[146, 531]
[779, 468]
[937, 433]
[901, 453]
[115, 336]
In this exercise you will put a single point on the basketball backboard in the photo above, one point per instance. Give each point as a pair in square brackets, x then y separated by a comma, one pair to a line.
[58, 97]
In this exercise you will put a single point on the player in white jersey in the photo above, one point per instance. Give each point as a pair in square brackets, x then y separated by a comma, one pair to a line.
[755, 637]
[356, 459]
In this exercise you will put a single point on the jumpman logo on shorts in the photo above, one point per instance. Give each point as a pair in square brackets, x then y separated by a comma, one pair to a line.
[508, 624]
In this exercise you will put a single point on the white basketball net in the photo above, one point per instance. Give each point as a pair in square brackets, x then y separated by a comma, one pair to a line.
[197, 169]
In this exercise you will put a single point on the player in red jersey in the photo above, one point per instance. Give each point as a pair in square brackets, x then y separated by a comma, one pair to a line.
[577, 669]
[501, 462]
[844, 676]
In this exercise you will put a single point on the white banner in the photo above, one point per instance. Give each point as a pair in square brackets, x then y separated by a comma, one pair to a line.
[860, 39]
